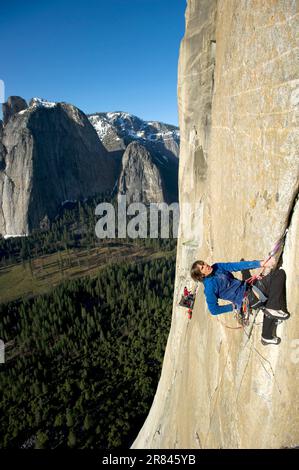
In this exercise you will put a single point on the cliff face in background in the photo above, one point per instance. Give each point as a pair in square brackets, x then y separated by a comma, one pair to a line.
[50, 153]
[238, 93]
[156, 140]
[14, 105]
[140, 179]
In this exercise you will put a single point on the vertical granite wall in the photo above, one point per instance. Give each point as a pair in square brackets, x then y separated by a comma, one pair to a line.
[238, 95]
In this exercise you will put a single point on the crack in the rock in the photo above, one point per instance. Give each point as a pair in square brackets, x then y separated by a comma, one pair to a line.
[198, 439]
[289, 221]
[292, 207]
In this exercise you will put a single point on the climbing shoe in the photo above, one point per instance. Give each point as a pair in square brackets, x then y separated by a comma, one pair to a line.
[274, 340]
[280, 314]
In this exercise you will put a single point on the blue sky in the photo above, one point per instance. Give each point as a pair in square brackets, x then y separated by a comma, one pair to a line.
[100, 55]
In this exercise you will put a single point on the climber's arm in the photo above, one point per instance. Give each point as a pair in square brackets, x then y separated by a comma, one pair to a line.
[240, 266]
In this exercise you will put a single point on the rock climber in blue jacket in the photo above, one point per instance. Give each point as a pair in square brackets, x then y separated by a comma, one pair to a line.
[219, 283]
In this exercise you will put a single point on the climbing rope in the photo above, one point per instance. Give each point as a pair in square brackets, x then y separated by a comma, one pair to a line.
[273, 252]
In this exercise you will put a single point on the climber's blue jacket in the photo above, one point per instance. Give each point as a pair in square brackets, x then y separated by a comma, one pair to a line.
[221, 284]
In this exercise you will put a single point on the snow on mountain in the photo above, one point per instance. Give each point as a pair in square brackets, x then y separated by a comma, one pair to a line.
[41, 102]
[127, 127]
[102, 126]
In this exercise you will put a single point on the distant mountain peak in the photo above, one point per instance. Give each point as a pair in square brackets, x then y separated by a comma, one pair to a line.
[130, 127]
[41, 102]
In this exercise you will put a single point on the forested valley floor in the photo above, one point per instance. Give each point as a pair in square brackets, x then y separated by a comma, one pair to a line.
[85, 325]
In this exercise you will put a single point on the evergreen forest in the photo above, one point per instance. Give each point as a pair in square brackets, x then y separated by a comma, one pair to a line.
[83, 360]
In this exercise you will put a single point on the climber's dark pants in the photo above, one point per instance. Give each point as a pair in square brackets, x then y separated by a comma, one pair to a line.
[274, 287]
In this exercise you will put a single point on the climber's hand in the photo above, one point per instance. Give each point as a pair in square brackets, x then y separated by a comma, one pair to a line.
[268, 263]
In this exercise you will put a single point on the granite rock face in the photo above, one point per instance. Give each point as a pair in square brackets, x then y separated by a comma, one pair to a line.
[140, 179]
[238, 92]
[49, 153]
[13, 105]
[117, 130]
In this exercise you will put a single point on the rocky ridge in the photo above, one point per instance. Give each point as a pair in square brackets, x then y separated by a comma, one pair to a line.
[51, 152]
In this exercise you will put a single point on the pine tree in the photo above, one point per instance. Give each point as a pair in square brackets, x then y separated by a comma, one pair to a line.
[41, 440]
[69, 418]
[71, 441]
[87, 423]
[58, 420]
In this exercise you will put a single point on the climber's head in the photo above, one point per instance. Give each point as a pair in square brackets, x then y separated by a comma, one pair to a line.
[200, 270]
